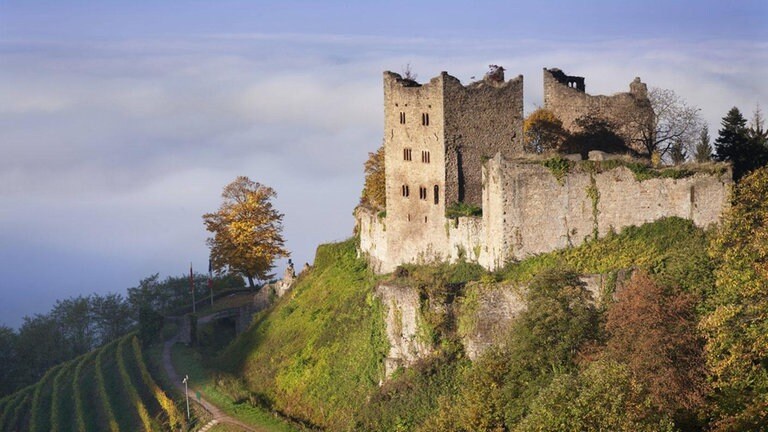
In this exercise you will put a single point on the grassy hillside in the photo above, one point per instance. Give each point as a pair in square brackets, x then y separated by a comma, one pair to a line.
[316, 356]
[319, 352]
[108, 389]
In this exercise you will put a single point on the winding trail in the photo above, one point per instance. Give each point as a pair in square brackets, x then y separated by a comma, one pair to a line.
[218, 415]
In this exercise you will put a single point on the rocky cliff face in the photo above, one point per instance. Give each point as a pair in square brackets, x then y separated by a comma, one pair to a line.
[482, 315]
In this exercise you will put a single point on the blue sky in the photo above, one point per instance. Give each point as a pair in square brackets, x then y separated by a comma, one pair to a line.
[120, 122]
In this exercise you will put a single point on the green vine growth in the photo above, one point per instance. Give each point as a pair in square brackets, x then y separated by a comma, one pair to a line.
[594, 194]
[559, 168]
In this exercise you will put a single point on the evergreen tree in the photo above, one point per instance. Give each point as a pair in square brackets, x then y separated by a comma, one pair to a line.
[703, 150]
[677, 152]
[734, 145]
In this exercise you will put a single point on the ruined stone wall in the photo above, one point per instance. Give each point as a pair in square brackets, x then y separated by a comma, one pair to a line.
[542, 214]
[481, 119]
[527, 211]
[415, 160]
[373, 237]
[571, 102]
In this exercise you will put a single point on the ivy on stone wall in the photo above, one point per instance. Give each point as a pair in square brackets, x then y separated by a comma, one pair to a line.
[559, 168]
[594, 195]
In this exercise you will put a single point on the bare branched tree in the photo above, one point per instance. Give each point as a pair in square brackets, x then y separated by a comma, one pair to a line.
[674, 125]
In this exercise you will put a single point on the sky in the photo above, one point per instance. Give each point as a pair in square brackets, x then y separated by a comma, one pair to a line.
[121, 122]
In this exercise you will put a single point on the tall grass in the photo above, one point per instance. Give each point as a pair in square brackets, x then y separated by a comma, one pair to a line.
[320, 350]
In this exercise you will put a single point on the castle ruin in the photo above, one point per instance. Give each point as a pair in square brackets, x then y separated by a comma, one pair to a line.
[447, 143]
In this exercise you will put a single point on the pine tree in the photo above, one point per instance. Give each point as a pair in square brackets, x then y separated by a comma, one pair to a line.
[734, 145]
[677, 152]
[703, 150]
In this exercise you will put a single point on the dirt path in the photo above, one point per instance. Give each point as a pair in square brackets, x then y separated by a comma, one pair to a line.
[218, 415]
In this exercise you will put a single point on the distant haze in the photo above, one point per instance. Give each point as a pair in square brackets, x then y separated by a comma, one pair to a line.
[120, 123]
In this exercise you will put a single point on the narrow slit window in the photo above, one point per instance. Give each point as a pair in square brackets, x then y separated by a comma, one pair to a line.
[425, 156]
[406, 154]
[406, 191]
[402, 117]
[425, 119]
[422, 192]
[437, 194]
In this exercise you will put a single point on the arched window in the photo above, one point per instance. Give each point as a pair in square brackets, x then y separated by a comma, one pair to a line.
[437, 194]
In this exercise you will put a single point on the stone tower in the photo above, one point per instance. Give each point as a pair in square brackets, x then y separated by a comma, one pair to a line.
[436, 136]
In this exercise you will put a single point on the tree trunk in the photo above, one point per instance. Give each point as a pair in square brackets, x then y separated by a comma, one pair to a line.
[250, 283]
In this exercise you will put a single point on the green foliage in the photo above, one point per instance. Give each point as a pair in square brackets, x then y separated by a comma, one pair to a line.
[320, 351]
[175, 419]
[604, 397]
[61, 398]
[81, 425]
[668, 246]
[20, 417]
[559, 167]
[737, 321]
[735, 144]
[645, 171]
[593, 193]
[226, 392]
[410, 398]
[460, 209]
[438, 286]
[129, 387]
[496, 392]
[41, 402]
[15, 404]
[703, 150]
[101, 388]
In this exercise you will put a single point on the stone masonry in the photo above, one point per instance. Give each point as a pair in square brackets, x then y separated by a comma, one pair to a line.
[447, 143]
[566, 97]
[436, 136]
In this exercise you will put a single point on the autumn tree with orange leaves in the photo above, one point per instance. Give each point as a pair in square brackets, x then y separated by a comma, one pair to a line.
[653, 330]
[247, 231]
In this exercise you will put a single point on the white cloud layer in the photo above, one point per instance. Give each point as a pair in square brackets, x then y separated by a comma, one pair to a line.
[114, 150]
